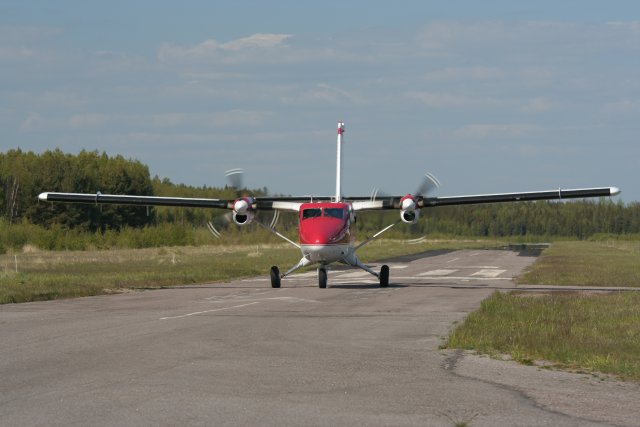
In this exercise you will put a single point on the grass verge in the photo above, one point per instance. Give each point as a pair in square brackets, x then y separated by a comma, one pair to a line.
[584, 332]
[589, 333]
[44, 275]
[587, 263]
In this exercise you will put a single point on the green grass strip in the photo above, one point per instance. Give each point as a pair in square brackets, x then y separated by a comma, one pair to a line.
[585, 263]
[584, 332]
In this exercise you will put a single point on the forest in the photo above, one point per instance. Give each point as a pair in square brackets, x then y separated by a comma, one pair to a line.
[23, 175]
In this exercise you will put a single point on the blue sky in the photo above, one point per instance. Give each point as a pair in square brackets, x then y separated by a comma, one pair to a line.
[488, 96]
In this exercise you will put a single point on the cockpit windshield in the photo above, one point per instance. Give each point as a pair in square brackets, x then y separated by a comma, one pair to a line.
[311, 213]
[334, 212]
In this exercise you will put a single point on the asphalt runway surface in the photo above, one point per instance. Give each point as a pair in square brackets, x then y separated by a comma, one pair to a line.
[241, 353]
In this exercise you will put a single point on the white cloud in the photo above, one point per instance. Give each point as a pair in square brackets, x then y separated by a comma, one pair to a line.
[537, 105]
[486, 130]
[622, 107]
[93, 121]
[9, 53]
[323, 94]
[447, 100]
[212, 49]
[255, 41]
[465, 73]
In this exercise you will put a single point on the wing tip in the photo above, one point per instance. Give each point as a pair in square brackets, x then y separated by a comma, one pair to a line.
[614, 191]
[43, 196]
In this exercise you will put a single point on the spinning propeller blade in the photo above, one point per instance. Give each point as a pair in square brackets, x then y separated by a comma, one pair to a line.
[429, 184]
[235, 177]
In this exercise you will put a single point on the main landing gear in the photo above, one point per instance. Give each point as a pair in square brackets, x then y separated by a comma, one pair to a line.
[383, 276]
[275, 277]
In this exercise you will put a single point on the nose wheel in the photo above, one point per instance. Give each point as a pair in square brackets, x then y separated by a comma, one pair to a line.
[322, 277]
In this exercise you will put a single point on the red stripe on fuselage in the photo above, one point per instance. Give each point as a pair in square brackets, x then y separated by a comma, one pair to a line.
[326, 229]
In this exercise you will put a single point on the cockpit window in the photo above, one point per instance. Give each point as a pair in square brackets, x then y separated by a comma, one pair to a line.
[311, 213]
[334, 212]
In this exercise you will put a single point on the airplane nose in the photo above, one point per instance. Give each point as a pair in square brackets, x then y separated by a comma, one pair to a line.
[321, 232]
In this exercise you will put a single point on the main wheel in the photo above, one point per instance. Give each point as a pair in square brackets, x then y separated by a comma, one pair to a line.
[275, 277]
[322, 278]
[384, 276]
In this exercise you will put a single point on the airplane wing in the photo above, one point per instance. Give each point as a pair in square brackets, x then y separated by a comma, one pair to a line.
[259, 203]
[394, 202]
[359, 203]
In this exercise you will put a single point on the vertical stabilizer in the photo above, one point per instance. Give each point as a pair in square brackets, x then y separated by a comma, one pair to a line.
[339, 163]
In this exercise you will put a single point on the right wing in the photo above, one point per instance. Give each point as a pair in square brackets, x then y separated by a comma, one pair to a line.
[394, 202]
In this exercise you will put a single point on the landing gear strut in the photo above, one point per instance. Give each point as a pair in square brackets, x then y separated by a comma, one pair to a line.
[275, 277]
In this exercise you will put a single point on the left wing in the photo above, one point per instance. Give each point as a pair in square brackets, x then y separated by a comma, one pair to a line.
[251, 203]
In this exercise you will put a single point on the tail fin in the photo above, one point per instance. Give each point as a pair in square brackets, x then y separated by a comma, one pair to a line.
[339, 163]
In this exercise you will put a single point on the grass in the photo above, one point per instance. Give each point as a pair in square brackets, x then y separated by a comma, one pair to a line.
[44, 275]
[589, 333]
[579, 331]
[586, 263]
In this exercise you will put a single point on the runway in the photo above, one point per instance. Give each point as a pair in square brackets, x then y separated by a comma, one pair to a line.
[241, 353]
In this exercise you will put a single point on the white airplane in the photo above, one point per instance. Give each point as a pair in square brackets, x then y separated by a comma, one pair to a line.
[326, 231]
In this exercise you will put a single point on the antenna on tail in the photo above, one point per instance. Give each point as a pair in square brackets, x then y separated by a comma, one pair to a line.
[339, 163]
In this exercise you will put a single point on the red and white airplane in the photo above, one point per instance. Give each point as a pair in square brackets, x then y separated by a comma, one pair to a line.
[326, 232]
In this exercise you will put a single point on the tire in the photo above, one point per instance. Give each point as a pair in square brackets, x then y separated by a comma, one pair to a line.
[384, 276]
[322, 278]
[275, 277]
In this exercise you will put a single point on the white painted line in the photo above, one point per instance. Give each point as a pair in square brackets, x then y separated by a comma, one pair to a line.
[480, 266]
[303, 275]
[397, 267]
[440, 272]
[449, 278]
[451, 260]
[353, 275]
[488, 273]
[208, 311]
[359, 282]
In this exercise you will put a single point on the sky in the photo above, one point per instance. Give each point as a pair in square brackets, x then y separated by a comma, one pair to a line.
[492, 96]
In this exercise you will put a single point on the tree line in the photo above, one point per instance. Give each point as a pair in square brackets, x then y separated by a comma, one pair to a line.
[23, 175]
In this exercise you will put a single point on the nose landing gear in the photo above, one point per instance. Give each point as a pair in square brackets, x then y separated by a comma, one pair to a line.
[322, 277]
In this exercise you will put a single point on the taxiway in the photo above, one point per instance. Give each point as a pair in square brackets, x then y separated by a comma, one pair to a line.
[241, 353]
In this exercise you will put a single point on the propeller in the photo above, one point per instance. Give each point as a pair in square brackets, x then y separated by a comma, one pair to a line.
[235, 179]
[428, 185]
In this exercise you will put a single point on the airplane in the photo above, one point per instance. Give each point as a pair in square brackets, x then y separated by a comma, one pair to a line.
[326, 227]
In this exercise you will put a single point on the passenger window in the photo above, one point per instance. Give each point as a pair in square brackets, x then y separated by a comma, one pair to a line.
[311, 213]
[334, 212]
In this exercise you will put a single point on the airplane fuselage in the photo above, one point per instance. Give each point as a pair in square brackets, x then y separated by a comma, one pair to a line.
[326, 231]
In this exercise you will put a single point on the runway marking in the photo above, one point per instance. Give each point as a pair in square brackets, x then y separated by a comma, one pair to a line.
[452, 260]
[208, 311]
[440, 272]
[353, 275]
[488, 273]
[303, 275]
[480, 266]
[448, 278]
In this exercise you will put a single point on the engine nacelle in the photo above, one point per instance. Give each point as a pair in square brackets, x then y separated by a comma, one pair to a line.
[408, 209]
[243, 218]
[409, 216]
